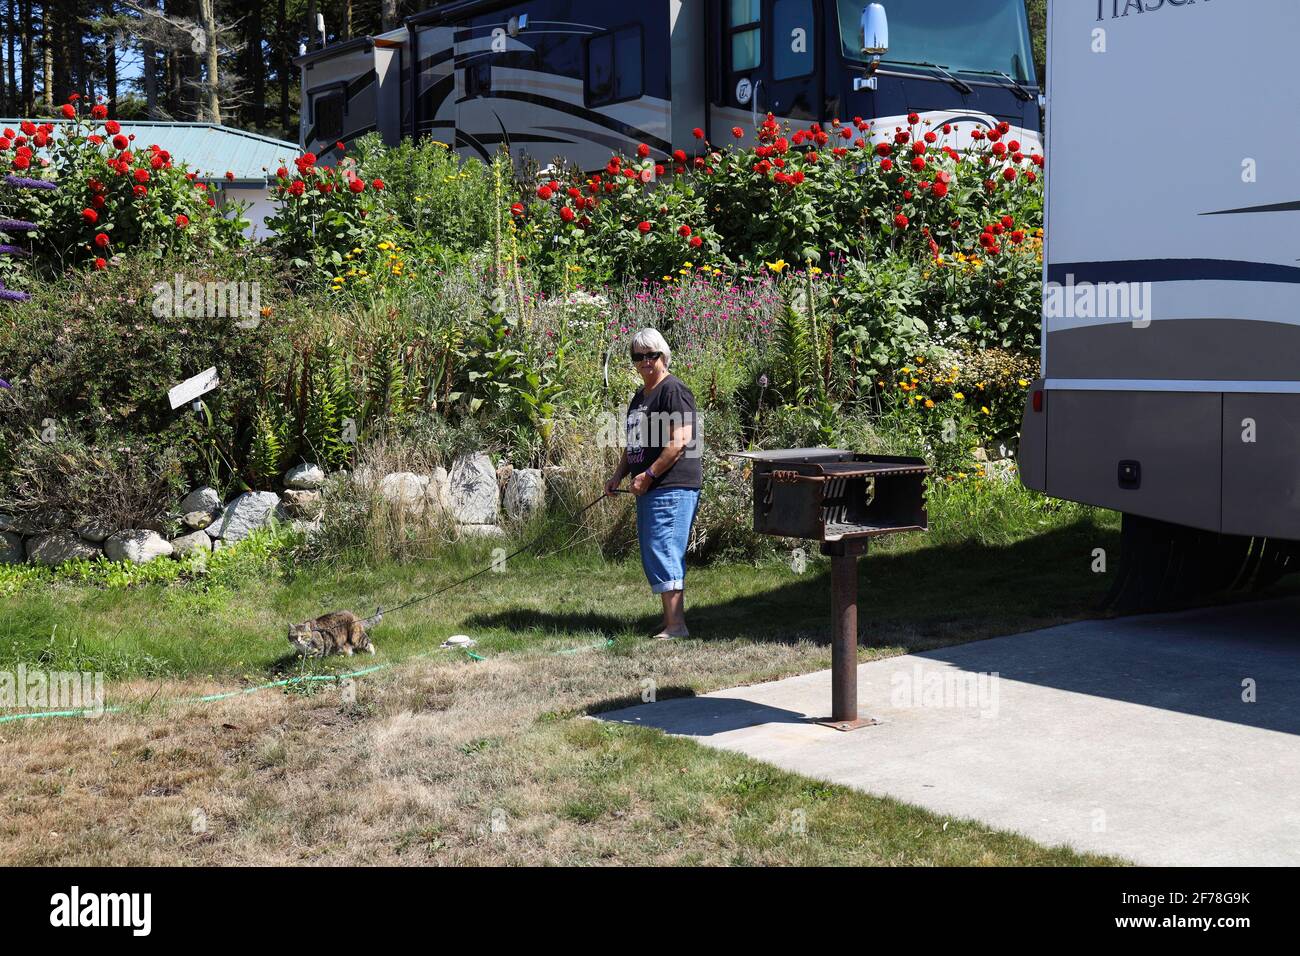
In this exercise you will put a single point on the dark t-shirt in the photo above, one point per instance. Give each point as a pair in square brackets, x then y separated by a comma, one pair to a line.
[650, 426]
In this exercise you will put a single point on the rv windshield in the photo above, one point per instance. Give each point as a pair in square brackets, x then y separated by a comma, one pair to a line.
[962, 36]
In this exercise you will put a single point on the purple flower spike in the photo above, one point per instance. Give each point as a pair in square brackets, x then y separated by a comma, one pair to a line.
[9, 295]
[6, 250]
[16, 225]
[4, 384]
[25, 182]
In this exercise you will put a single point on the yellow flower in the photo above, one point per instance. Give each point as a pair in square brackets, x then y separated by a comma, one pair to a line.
[1022, 383]
[958, 395]
[985, 409]
[778, 267]
[385, 245]
[815, 271]
[929, 403]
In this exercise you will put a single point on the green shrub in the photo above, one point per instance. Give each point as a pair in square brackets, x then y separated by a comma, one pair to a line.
[115, 198]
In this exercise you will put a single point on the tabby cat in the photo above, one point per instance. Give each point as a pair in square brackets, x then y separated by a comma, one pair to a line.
[339, 632]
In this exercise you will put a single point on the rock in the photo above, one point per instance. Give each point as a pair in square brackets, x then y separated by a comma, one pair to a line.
[206, 500]
[306, 527]
[49, 519]
[59, 546]
[980, 454]
[301, 504]
[437, 490]
[525, 493]
[472, 493]
[406, 491]
[93, 531]
[480, 530]
[305, 477]
[11, 548]
[243, 515]
[136, 546]
[1003, 470]
[188, 543]
[198, 520]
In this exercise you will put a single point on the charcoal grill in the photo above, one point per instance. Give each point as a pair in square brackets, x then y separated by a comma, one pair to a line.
[842, 499]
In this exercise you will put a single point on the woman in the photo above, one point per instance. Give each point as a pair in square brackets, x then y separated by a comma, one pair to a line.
[662, 454]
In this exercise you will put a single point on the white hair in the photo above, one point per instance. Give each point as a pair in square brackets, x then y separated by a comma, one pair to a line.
[649, 340]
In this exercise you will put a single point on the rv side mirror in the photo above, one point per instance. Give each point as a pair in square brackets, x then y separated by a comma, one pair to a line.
[875, 31]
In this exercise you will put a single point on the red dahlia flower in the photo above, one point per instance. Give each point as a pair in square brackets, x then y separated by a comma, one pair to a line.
[101, 239]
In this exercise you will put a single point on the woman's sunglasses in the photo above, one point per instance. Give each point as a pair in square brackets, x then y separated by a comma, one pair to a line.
[639, 357]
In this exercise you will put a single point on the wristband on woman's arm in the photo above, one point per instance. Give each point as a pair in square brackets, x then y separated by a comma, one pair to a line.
[651, 472]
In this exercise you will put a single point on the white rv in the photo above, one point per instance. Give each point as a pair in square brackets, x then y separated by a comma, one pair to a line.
[1170, 386]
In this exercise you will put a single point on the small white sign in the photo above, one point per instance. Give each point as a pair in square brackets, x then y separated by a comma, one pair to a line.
[744, 91]
[192, 388]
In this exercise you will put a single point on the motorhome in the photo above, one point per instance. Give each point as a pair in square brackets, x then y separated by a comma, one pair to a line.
[580, 79]
[353, 88]
[1170, 386]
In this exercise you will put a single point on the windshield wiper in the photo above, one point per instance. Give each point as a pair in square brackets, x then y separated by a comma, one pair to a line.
[961, 86]
[1016, 87]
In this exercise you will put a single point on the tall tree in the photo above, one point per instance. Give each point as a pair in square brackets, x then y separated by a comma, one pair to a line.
[212, 58]
[29, 66]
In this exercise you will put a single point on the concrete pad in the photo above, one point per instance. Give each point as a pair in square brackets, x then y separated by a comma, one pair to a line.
[1128, 737]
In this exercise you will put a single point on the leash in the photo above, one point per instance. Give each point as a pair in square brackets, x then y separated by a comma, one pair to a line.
[465, 580]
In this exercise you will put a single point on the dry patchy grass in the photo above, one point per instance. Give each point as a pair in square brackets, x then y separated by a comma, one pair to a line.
[417, 768]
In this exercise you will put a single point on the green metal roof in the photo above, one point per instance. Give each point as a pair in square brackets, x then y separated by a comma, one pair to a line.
[205, 148]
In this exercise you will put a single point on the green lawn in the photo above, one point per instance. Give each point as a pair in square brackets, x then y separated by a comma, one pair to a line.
[434, 750]
[915, 592]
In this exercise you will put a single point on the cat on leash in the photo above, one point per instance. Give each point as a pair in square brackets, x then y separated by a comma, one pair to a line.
[338, 632]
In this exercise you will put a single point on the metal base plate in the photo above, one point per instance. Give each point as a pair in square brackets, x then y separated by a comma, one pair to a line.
[847, 725]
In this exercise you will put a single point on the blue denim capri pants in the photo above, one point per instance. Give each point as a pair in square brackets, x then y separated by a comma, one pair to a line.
[663, 526]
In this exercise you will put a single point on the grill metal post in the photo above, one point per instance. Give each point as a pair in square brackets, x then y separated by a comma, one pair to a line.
[842, 499]
[844, 635]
